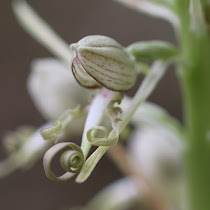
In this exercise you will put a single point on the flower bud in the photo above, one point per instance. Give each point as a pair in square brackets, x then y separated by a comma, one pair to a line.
[152, 50]
[101, 61]
[13, 140]
[27, 153]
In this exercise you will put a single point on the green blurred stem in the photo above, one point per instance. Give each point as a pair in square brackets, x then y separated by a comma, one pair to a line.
[195, 80]
[41, 31]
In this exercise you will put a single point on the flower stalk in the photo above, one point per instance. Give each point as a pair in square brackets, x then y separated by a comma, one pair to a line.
[153, 9]
[194, 78]
[40, 30]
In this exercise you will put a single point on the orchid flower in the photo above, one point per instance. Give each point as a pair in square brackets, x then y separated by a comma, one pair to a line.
[53, 91]
[159, 142]
[102, 63]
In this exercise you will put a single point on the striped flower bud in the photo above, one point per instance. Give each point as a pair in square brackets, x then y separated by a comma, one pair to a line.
[100, 61]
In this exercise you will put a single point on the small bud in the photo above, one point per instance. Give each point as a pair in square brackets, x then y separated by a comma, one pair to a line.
[13, 140]
[101, 61]
[152, 50]
[27, 153]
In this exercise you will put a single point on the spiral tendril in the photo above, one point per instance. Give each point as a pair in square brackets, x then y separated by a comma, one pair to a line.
[52, 132]
[71, 161]
[114, 113]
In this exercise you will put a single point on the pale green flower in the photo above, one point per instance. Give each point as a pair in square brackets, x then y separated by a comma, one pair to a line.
[101, 61]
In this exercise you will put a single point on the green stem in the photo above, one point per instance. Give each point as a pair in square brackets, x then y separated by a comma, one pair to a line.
[196, 87]
[41, 31]
[194, 76]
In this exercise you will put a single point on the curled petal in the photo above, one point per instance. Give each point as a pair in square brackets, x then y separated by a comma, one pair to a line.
[52, 132]
[71, 161]
[114, 114]
[95, 115]
[102, 141]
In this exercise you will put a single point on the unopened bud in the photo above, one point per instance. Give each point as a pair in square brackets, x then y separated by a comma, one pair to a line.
[152, 50]
[101, 61]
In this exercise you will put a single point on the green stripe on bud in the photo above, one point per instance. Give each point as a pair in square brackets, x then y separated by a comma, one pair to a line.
[101, 61]
[152, 50]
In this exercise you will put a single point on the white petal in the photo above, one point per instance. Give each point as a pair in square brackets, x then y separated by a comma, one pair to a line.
[118, 195]
[158, 153]
[54, 89]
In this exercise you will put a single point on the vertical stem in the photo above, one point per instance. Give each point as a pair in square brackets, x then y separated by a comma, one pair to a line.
[194, 76]
[196, 88]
